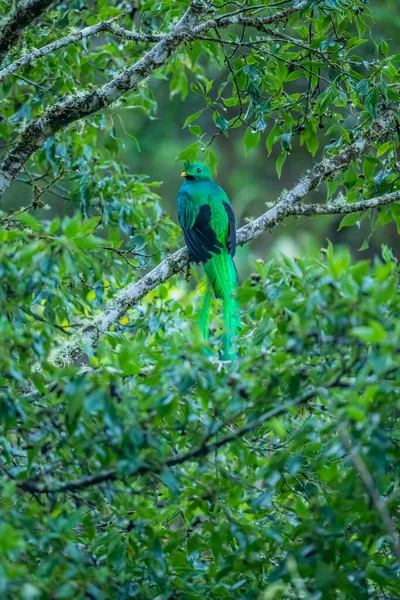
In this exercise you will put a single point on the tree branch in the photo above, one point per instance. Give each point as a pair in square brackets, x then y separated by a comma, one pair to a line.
[36, 202]
[287, 205]
[20, 18]
[257, 22]
[135, 36]
[52, 485]
[73, 108]
[310, 210]
[28, 59]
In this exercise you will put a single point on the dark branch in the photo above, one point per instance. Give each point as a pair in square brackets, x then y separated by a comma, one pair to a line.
[20, 18]
[73, 108]
[54, 486]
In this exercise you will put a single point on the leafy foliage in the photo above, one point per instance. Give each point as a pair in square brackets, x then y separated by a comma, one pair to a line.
[145, 469]
[278, 509]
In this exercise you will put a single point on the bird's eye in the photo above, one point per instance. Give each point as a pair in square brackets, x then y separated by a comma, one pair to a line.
[199, 170]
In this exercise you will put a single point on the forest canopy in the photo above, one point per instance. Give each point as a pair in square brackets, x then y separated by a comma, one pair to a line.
[133, 465]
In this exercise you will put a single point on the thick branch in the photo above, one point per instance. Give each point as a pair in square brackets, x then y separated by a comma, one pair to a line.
[73, 108]
[28, 59]
[21, 17]
[286, 206]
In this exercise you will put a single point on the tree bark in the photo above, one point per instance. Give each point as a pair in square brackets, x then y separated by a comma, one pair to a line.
[287, 205]
[20, 18]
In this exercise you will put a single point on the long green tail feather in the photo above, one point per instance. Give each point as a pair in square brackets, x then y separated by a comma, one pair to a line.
[222, 275]
[205, 313]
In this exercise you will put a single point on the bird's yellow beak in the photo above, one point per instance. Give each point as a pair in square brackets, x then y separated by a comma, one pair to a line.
[183, 174]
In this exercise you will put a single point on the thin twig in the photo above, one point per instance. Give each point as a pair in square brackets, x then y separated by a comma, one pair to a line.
[38, 86]
[36, 203]
[112, 474]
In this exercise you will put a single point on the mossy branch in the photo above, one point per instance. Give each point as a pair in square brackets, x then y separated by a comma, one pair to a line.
[287, 205]
[73, 108]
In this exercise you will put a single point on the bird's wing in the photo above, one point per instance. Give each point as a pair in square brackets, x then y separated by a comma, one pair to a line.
[231, 229]
[199, 236]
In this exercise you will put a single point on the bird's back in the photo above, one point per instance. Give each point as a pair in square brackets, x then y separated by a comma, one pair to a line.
[209, 229]
[193, 195]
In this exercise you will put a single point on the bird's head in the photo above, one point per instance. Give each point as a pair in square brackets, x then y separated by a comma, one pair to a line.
[196, 171]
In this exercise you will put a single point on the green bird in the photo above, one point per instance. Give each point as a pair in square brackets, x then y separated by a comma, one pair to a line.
[208, 224]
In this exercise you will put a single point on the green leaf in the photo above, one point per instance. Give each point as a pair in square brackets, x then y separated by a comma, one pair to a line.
[350, 219]
[211, 157]
[385, 49]
[72, 228]
[387, 254]
[364, 245]
[372, 333]
[325, 99]
[273, 136]
[193, 117]
[195, 130]
[221, 122]
[363, 87]
[189, 153]
[312, 143]
[369, 167]
[251, 139]
[28, 220]
[371, 101]
[286, 141]
[89, 242]
[280, 162]
[198, 88]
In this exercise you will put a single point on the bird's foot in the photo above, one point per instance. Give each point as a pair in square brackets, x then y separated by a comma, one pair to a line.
[221, 364]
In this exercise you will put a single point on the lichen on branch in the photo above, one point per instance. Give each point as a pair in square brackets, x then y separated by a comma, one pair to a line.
[287, 205]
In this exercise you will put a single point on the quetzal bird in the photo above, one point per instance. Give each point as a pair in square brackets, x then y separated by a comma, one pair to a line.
[208, 224]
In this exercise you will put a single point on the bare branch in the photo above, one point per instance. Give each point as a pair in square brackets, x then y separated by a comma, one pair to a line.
[36, 202]
[34, 55]
[287, 205]
[20, 18]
